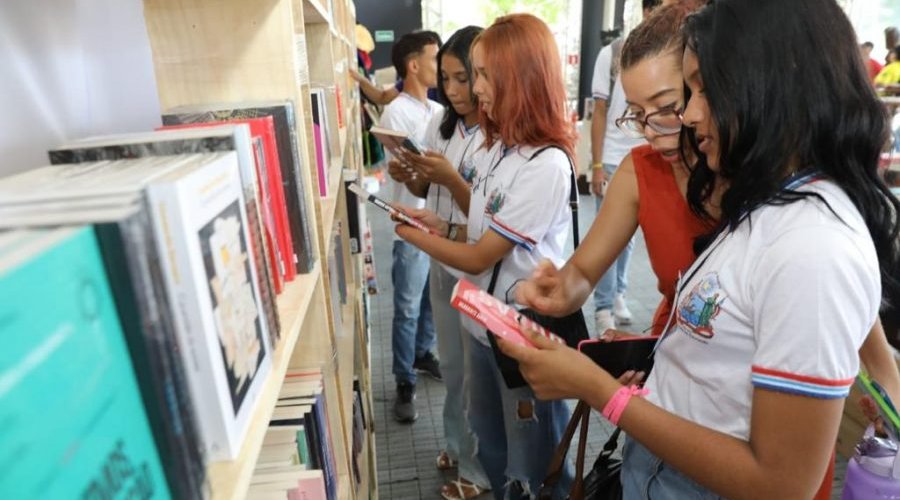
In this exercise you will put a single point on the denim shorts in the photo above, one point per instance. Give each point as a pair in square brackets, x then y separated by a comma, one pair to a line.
[644, 476]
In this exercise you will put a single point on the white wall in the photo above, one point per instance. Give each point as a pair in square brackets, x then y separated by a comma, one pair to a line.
[71, 68]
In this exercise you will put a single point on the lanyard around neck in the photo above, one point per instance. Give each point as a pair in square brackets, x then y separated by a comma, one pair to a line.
[796, 180]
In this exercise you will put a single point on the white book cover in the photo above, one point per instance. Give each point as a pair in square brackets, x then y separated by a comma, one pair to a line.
[68, 182]
[201, 229]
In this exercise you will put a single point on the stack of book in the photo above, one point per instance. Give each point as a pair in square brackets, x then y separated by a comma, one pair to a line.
[162, 254]
[297, 458]
[70, 360]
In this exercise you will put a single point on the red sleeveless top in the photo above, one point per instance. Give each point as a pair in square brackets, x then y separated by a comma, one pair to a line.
[668, 224]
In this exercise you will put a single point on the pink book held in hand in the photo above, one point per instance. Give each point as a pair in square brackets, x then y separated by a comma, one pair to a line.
[501, 319]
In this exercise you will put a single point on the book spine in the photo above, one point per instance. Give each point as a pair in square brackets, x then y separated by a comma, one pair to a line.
[280, 205]
[263, 279]
[327, 444]
[319, 141]
[270, 227]
[300, 217]
[312, 440]
[353, 226]
[127, 251]
[303, 447]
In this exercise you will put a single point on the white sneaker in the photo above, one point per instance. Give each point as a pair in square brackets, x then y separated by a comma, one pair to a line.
[603, 320]
[620, 310]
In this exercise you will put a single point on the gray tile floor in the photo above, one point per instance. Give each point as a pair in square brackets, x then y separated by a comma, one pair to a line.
[406, 453]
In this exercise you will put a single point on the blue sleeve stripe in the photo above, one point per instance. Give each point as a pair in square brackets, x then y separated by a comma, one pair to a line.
[800, 388]
[511, 236]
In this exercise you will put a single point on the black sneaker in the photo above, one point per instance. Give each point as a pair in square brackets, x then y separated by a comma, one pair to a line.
[404, 405]
[429, 365]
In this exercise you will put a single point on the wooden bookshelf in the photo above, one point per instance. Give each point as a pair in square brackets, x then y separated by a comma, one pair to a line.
[208, 51]
[314, 12]
[230, 480]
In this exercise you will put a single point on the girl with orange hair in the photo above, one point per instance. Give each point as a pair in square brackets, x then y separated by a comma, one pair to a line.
[518, 216]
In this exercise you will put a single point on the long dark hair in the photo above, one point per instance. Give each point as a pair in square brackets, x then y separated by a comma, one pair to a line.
[778, 103]
[457, 46]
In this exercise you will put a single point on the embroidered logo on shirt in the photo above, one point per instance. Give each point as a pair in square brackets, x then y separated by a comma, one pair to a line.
[494, 202]
[701, 306]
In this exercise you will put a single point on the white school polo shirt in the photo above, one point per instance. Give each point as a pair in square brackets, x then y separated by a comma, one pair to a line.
[782, 303]
[525, 201]
[460, 151]
[410, 115]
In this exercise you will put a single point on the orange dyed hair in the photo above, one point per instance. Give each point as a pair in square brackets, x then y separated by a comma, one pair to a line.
[524, 70]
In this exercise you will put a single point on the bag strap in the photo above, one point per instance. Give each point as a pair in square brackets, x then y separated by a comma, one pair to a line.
[554, 474]
[573, 190]
[581, 416]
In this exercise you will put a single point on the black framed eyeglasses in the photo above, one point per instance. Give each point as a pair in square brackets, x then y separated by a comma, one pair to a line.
[666, 121]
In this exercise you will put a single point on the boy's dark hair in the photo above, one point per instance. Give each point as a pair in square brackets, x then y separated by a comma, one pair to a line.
[431, 35]
[896, 51]
[826, 117]
[408, 46]
[458, 46]
[868, 45]
[650, 4]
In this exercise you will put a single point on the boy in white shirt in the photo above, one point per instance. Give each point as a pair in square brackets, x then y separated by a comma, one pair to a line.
[415, 57]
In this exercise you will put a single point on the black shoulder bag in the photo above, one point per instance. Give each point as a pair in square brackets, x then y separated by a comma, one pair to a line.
[571, 328]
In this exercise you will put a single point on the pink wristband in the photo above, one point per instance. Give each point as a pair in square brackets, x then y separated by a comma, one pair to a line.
[619, 400]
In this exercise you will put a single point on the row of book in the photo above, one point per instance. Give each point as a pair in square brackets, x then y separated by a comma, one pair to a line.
[297, 459]
[326, 137]
[171, 245]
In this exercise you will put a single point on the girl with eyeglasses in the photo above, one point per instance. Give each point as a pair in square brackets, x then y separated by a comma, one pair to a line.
[747, 391]
[648, 190]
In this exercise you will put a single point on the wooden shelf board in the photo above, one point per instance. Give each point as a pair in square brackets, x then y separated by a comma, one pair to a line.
[314, 12]
[329, 207]
[329, 203]
[230, 480]
[342, 132]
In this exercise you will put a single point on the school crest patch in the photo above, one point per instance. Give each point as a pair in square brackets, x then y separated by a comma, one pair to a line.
[494, 202]
[701, 306]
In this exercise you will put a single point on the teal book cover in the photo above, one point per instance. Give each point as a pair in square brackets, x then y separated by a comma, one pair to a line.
[72, 420]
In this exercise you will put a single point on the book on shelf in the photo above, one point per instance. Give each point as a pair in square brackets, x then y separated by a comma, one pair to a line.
[295, 482]
[309, 423]
[353, 215]
[283, 115]
[74, 421]
[335, 261]
[369, 272]
[201, 140]
[124, 231]
[333, 120]
[199, 229]
[338, 249]
[266, 164]
[199, 221]
[320, 140]
[358, 432]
